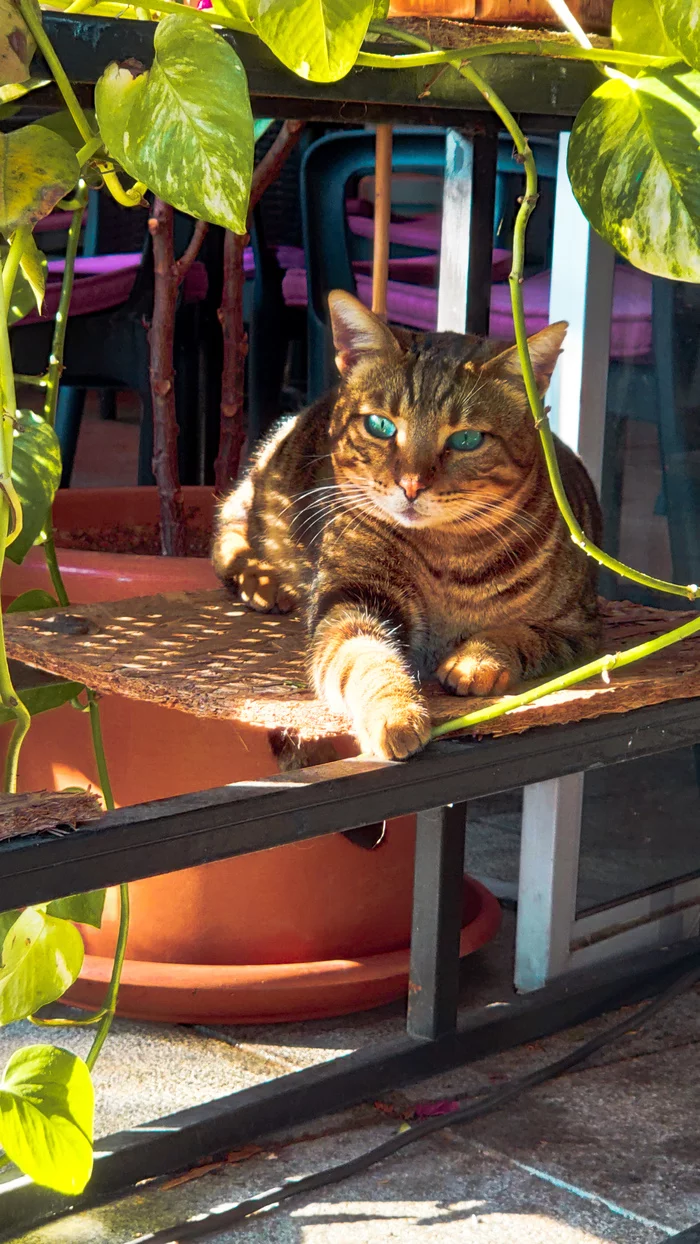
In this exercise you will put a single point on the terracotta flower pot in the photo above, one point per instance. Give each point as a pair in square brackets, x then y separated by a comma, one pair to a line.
[594, 15]
[317, 928]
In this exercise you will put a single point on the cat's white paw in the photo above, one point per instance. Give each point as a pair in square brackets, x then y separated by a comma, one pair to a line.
[393, 728]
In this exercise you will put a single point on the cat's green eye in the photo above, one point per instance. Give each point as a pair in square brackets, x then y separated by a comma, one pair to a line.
[467, 439]
[381, 427]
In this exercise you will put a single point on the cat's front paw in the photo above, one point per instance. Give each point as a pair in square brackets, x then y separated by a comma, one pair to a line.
[393, 728]
[477, 668]
[259, 587]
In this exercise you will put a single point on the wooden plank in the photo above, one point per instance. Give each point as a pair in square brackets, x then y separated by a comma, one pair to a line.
[533, 86]
[169, 834]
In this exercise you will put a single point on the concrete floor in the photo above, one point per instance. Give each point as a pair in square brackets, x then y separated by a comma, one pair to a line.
[608, 1153]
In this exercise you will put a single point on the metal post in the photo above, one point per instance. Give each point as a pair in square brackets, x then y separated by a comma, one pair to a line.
[581, 292]
[549, 852]
[467, 232]
[438, 895]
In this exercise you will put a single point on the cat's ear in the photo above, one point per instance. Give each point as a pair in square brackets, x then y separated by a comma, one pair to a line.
[545, 348]
[356, 331]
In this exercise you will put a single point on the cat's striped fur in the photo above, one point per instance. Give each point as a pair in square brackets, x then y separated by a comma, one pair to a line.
[409, 557]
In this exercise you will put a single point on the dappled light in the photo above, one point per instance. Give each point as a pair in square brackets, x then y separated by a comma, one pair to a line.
[206, 654]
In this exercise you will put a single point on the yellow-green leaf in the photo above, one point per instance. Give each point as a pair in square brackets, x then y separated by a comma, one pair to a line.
[16, 44]
[15, 90]
[36, 474]
[23, 297]
[33, 265]
[637, 27]
[634, 165]
[681, 24]
[317, 39]
[184, 127]
[41, 957]
[37, 169]
[47, 1107]
[83, 908]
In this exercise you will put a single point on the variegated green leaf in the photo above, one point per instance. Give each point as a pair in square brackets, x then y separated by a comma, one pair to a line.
[634, 165]
[15, 90]
[33, 265]
[184, 127]
[47, 1107]
[37, 168]
[317, 39]
[41, 957]
[637, 27]
[36, 474]
[24, 297]
[16, 44]
[681, 22]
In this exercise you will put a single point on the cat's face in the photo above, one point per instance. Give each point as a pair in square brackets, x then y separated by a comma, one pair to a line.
[433, 432]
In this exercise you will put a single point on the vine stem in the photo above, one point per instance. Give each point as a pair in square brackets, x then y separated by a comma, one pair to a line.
[107, 1012]
[110, 1003]
[8, 695]
[603, 664]
[53, 375]
[32, 19]
[524, 47]
[105, 1015]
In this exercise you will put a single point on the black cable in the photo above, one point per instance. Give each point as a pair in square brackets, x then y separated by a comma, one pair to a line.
[214, 1222]
[690, 1236]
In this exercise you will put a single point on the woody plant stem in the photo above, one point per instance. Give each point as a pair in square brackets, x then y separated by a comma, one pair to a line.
[232, 433]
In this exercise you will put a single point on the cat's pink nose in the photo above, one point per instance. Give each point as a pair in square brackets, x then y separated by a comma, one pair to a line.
[411, 485]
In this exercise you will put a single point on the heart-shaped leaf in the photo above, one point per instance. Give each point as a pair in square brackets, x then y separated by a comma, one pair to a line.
[184, 127]
[24, 297]
[44, 697]
[36, 474]
[638, 28]
[47, 1107]
[16, 44]
[37, 168]
[317, 39]
[7, 919]
[634, 165]
[681, 23]
[62, 123]
[83, 908]
[15, 90]
[35, 598]
[41, 957]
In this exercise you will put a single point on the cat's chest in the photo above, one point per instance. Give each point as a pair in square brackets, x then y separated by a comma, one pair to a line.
[441, 628]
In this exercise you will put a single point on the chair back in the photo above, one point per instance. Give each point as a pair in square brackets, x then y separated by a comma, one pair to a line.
[328, 168]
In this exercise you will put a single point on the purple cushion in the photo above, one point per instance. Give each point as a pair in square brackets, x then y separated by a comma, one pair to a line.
[105, 281]
[287, 257]
[411, 288]
[415, 305]
[422, 232]
[98, 265]
[55, 222]
[630, 335]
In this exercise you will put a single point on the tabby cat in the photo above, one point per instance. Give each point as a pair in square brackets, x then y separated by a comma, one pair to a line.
[410, 515]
